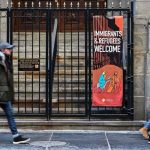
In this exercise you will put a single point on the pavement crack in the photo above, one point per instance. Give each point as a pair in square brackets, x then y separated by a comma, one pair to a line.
[107, 141]
[47, 146]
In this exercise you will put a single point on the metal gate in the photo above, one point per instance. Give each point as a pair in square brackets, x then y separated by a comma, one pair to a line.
[53, 65]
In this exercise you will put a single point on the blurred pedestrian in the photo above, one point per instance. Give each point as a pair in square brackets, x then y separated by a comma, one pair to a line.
[6, 90]
[144, 130]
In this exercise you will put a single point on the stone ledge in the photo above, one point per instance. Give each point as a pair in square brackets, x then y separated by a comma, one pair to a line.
[76, 124]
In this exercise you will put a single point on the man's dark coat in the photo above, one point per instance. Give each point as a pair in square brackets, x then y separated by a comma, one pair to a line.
[6, 83]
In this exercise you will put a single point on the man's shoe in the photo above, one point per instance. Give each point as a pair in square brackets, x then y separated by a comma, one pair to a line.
[20, 140]
[144, 132]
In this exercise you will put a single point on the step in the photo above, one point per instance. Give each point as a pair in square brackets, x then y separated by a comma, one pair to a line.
[75, 124]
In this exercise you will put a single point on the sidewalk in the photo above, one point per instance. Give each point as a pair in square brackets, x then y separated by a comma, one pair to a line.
[76, 140]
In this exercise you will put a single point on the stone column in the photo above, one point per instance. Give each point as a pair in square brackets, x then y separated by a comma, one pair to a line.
[147, 72]
[141, 56]
[3, 21]
[141, 61]
[3, 3]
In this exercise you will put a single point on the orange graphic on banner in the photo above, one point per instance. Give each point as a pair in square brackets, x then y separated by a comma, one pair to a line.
[107, 86]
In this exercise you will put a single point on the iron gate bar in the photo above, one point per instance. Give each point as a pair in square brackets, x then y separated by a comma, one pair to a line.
[18, 71]
[48, 66]
[32, 58]
[39, 105]
[129, 63]
[90, 63]
[86, 64]
[132, 58]
[129, 56]
[65, 95]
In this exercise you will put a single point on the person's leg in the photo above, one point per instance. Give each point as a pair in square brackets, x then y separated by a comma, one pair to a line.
[147, 125]
[144, 130]
[17, 138]
[7, 107]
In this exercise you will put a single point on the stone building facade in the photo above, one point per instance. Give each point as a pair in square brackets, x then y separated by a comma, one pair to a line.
[141, 53]
[141, 60]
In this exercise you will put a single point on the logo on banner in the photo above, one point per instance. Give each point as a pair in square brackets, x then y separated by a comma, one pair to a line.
[107, 86]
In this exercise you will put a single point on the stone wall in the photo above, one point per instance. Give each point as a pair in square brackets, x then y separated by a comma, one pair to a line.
[3, 19]
[3, 3]
[141, 60]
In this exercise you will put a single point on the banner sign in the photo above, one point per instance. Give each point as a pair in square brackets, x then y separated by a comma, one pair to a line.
[107, 86]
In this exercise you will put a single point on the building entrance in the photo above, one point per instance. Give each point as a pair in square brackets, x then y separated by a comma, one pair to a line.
[53, 61]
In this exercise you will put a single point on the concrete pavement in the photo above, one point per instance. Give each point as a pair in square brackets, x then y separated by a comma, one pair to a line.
[76, 140]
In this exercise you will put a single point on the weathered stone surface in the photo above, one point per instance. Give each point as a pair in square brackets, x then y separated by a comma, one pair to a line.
[140, 39]
[139, 108]
[3, 3]
[139, 63]
[147, 62]
[139, 81]
[147, 79]
[141, 46]
[143, 7]
[147, 106]
[3, 27]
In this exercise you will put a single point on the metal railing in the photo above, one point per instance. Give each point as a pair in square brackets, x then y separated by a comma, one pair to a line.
[62, 85]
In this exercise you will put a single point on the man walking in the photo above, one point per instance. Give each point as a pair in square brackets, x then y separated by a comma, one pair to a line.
[6, 91]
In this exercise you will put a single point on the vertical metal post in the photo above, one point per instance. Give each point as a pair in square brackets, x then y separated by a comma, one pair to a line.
[10, 25]
[86, 60]
[50, 63]
[47, 64]
[89, 64]
[18, 74]
[32, 30]
[39, 24]
[71, 36]
[65, 56]
[78, 51]
[129, 63]
[25, 11]
[132, 53]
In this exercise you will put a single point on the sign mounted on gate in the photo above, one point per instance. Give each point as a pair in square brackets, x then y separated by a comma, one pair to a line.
[107, 84]
[28, 65]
